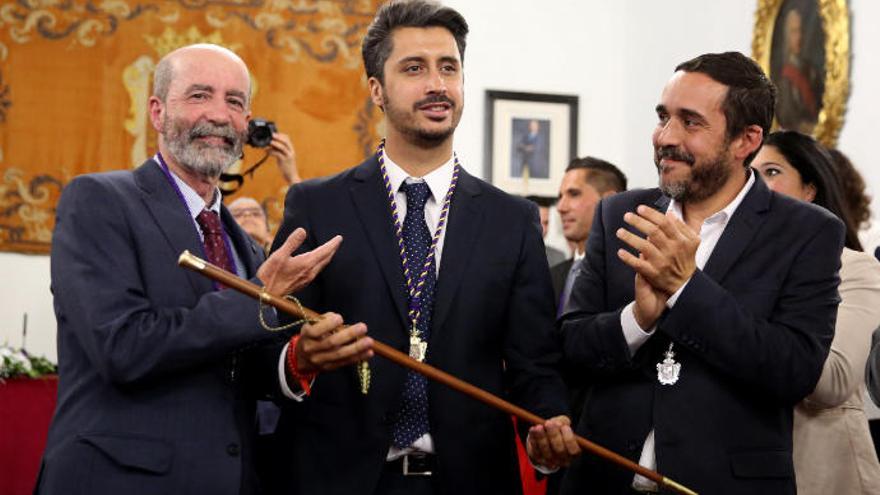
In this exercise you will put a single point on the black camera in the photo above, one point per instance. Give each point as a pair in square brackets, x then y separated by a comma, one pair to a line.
[260, 132]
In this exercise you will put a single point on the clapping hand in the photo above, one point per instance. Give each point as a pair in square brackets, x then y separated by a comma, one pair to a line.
[666, 260]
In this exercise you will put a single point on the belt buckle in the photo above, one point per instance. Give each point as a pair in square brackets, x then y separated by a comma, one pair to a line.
[406, 471]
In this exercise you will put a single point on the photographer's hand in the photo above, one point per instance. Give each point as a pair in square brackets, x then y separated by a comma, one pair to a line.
[282, 149]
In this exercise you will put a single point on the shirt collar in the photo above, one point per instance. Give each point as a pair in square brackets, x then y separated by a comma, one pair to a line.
[438, 180]
[194, 202]
[725, 213]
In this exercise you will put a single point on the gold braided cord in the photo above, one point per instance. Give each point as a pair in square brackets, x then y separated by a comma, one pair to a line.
[264, 296]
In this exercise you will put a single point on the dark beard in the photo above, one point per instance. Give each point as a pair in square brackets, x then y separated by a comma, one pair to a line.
[706, 178]
[419, 136]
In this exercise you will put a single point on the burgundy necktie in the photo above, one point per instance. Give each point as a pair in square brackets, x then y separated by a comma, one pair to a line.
[215, 245]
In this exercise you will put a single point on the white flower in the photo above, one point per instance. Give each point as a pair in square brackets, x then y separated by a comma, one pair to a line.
[23, 359]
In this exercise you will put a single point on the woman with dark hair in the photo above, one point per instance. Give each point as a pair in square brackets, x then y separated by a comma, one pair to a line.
[833, 450]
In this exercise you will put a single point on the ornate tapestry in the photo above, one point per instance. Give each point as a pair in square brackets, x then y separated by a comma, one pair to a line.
[75, 77]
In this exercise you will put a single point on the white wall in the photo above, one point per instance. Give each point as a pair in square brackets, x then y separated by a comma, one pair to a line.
[615, 55]
[25, 289]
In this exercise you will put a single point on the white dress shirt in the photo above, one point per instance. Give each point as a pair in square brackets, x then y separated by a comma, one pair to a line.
[710, 232]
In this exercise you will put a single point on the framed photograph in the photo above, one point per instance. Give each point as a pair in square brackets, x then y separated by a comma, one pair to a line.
[530, 139]
[803, 45]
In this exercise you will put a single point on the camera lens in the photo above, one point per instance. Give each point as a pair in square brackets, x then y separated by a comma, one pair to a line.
[260, 132]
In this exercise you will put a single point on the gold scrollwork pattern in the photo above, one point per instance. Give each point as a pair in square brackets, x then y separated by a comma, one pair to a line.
[5, 102]
[836, 28]
[323, 30]
[26, 208]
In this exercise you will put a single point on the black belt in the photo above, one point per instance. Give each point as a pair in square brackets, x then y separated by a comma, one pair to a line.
[414, 464]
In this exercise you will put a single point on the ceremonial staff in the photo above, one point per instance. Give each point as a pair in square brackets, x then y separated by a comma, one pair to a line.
[187, 260]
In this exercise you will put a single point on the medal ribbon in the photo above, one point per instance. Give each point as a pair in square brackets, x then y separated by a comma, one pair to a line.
[414, 286]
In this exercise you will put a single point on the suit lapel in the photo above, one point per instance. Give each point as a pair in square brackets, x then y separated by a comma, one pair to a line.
[371, 204]
[746, 221]
[662, 203]
[172, 218]
[244, 247]
[465, 221]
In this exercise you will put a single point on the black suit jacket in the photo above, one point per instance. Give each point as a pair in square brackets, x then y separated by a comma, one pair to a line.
[492, 326]
[751, 331]
[150, 399]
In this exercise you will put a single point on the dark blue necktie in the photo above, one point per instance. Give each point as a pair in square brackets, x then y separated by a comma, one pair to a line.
[411, 420]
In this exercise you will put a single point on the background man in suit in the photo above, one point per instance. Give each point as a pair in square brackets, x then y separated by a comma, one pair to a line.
[152, 392]
[554, 256]
[586, 181]
[700, 328]
[478, 294]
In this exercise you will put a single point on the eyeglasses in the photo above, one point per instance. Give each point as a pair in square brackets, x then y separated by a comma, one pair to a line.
[247, 212]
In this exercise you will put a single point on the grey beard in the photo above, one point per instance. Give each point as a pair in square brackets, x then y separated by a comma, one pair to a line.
[208, 161]
[199, 162]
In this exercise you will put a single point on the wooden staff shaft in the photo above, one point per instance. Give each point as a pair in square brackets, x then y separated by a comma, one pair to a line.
[187, 260]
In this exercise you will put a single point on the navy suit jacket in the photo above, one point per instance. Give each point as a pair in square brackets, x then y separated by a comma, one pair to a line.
[492, 326]
[150, 398]
[751, 332]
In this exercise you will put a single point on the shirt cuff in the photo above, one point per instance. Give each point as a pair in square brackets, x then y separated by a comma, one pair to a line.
[538, 467]
[632, 332]
[282, 379]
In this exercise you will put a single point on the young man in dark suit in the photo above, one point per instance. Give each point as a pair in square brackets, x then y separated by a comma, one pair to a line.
[586, 181]
[705, 308]
[439, 264]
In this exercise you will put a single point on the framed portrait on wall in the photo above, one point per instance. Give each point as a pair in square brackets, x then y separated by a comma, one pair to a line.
[530, 139]
[803, 45]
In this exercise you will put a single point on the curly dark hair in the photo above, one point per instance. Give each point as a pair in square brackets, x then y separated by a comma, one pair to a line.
[853, 185]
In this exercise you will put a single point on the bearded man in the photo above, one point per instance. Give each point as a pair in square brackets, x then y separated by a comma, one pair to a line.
[706, 307]
[153, 394]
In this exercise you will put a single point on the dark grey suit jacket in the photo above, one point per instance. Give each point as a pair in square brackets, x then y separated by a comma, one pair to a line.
[150, 397]
[751, 332]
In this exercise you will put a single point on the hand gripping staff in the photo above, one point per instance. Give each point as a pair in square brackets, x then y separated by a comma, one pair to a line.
[187, 260]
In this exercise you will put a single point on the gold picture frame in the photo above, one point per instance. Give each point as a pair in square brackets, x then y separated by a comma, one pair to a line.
[811, 67]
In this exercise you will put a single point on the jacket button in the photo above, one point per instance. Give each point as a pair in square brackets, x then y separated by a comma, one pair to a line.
[233, 449]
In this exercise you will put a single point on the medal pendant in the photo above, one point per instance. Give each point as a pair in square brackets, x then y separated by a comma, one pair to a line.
[668, 371]
[418, 348]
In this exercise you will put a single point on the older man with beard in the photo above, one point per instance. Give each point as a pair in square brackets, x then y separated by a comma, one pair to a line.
[706, 307]
[154, 392]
